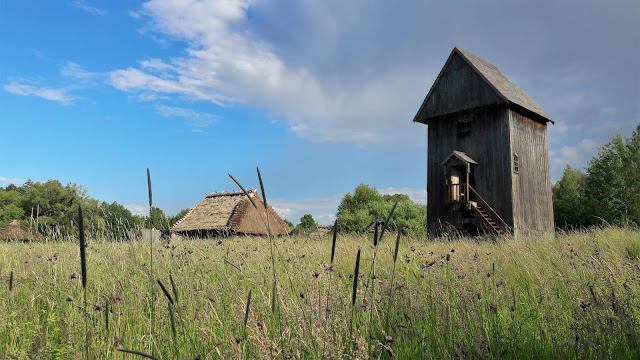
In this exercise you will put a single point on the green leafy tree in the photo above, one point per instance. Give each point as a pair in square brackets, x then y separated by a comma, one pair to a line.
[289, 223]
[569, 200]
[612, 182]
[357, 211]
[158, 220]
[174, 219]
[307, 222]
[9, 213]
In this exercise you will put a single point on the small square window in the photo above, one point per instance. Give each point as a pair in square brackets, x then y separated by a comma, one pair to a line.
[516, 164]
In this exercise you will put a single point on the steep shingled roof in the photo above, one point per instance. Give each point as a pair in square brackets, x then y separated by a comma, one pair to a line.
[505, 88]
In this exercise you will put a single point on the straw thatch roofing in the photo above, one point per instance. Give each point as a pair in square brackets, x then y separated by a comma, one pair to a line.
[507, 91]
[17, 231]
[230, 212]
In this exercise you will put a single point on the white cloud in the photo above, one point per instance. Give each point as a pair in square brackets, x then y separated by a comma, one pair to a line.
[54, 94]
[88, 8]
[73, 70]
[194, 118]
[15, 181]
[137, 209]
[226, 64]
[576, 156]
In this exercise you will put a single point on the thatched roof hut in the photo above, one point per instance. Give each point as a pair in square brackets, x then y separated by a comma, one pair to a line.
[17, 231]
[229, 213]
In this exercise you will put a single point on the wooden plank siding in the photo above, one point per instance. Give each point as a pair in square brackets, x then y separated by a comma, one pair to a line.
[532, 200]
[487, 143]
[473, 108]
[458, 87]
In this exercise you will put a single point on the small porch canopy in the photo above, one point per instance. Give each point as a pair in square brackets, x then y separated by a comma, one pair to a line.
[457, 183]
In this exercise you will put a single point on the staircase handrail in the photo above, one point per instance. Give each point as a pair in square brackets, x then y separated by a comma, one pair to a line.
[505, 226]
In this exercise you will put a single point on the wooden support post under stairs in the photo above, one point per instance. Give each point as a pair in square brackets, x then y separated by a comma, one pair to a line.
[487, 220]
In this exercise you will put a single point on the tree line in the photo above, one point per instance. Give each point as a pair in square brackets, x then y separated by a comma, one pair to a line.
[608, 193]
[53, 207]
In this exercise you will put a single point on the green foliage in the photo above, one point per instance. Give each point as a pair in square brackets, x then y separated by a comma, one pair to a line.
[357, 211]
[569, 200]
[55, 207]
[10, 212]
[174, 219]
[158, 220]
[307, 222]
[609, 193]
[289, 223]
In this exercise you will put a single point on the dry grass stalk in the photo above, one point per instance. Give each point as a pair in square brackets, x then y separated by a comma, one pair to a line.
[83, 266]
[153, 315]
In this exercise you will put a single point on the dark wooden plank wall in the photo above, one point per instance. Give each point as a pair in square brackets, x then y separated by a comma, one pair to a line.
[488, 144]
[459, 87]
[532, 201]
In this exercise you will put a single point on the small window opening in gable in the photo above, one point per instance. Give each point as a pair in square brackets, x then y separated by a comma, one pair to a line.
[516, 164]
[464, 127]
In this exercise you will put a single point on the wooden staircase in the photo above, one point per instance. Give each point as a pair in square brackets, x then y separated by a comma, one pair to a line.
[487, 220]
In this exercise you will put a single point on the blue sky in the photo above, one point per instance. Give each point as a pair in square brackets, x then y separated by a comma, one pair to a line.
[319, 94]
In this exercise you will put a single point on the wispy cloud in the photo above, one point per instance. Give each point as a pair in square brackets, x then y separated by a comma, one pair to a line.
[60, 95]
[226, 64]
[194, 118]
[81, 4]
[576, 156]
[15, 181]
[73, 70]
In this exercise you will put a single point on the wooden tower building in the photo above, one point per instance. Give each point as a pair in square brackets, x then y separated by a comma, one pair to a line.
[488, 155]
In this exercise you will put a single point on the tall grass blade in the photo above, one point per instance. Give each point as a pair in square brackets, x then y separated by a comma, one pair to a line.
[165, 291]
[264, 197]
[83, 266]
[173, 327]
[244, 191]
[138, 353]
[149, 186]
[106, 315]
[11, 281]
[333, 242]
[375, 235]
[173, 287]
[393, 275]
[246, 310]
[386, 221]
[153, 314]
[83, 250]
[395, 252]
[355, 280]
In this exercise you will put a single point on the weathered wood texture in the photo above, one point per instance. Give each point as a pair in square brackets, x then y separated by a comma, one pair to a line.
[473, 108]
[531, 186]
[458, 87]
[488, 144]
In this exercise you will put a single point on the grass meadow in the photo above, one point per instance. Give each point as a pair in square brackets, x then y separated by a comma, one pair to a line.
[575, 295]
